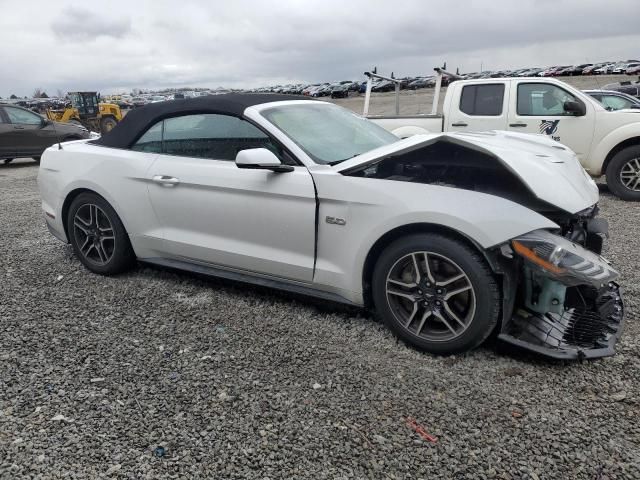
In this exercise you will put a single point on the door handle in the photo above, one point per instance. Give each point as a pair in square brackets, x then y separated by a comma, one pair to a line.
[166, 180]
[18, 127]
[459, 124]
[517, 124]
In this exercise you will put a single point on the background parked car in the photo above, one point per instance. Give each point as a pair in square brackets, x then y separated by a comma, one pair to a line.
[613, 100]
[24, 133]
[630, 88]
[340, 91]
[418, 83]
[138, 102]
[604, 70]
[633, 68]
[575, 70]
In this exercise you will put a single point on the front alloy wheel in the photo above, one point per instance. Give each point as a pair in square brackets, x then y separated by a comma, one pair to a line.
[431, 296]
[436, 293]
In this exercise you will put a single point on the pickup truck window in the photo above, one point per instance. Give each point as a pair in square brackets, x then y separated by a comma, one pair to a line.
[485, 99]
[542, 99]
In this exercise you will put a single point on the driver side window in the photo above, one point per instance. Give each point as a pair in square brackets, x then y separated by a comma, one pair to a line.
[22, 117]
[218, 137]
[542, 99]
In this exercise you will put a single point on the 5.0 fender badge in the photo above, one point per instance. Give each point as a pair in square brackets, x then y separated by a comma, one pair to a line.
[336, 221]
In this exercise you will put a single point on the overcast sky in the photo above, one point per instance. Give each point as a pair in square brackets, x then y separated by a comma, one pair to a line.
[117, 45]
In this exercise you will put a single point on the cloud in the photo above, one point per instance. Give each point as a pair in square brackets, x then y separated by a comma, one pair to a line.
[121, 44]
[81, 24]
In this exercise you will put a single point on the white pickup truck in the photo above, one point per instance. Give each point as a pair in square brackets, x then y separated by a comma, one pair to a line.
[606, 142]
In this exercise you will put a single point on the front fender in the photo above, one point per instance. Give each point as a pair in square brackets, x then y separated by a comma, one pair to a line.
[371, 208]
[594, 165]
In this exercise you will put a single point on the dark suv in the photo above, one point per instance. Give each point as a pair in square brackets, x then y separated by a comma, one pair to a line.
[24, 133]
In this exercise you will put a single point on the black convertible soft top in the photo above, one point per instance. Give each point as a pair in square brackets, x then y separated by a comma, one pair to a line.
[137, 121]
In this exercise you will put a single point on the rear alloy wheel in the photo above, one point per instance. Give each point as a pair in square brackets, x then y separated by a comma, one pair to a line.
[623, 174]
[97, 235]
[436, 293]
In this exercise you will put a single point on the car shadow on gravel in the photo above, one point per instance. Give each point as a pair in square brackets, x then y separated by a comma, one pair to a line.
[17, 165]
[491, 346]
[264, 293]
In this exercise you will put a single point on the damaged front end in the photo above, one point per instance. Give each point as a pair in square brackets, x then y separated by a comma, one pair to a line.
[560, 298]
[564, 301]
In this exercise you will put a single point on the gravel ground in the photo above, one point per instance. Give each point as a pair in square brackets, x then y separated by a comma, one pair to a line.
[158, 374]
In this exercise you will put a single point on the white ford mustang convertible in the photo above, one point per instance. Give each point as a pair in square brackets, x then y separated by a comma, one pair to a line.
[447, 237]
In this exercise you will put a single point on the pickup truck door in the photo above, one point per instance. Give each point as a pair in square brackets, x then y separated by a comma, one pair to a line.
[212, 212]
[478, 106]
[537, 107]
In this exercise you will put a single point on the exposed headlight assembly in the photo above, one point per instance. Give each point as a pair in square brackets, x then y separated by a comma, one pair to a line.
[563, 260]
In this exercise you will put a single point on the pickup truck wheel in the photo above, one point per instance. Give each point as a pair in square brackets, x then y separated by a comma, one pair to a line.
[97, 235]
[436, 293]
[623, 174]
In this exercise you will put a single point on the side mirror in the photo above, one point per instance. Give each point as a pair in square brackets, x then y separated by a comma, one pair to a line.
[261, 159]
[576, 108]
[45, 122]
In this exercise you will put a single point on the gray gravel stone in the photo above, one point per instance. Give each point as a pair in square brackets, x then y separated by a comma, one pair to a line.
[231, 392]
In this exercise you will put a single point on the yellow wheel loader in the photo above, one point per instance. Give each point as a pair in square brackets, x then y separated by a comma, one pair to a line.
[86, 110]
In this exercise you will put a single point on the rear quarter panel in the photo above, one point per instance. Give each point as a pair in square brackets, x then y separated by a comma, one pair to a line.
[119, 176]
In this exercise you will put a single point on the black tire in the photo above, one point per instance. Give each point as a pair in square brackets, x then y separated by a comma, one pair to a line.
[119, 255]
[624, 162]
[8, 160]
[442, 253]
[107, 124]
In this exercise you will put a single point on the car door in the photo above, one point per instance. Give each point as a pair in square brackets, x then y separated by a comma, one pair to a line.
[479, 107]
[254, 221]
[539, 108]
[6, 129]
[29, 134]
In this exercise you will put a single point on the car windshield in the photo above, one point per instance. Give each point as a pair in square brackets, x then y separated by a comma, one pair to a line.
[327, 133]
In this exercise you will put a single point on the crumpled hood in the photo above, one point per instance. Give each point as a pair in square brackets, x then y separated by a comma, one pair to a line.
[550, 170]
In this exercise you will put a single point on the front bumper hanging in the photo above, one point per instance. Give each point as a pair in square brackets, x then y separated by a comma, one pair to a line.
[589, 327]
